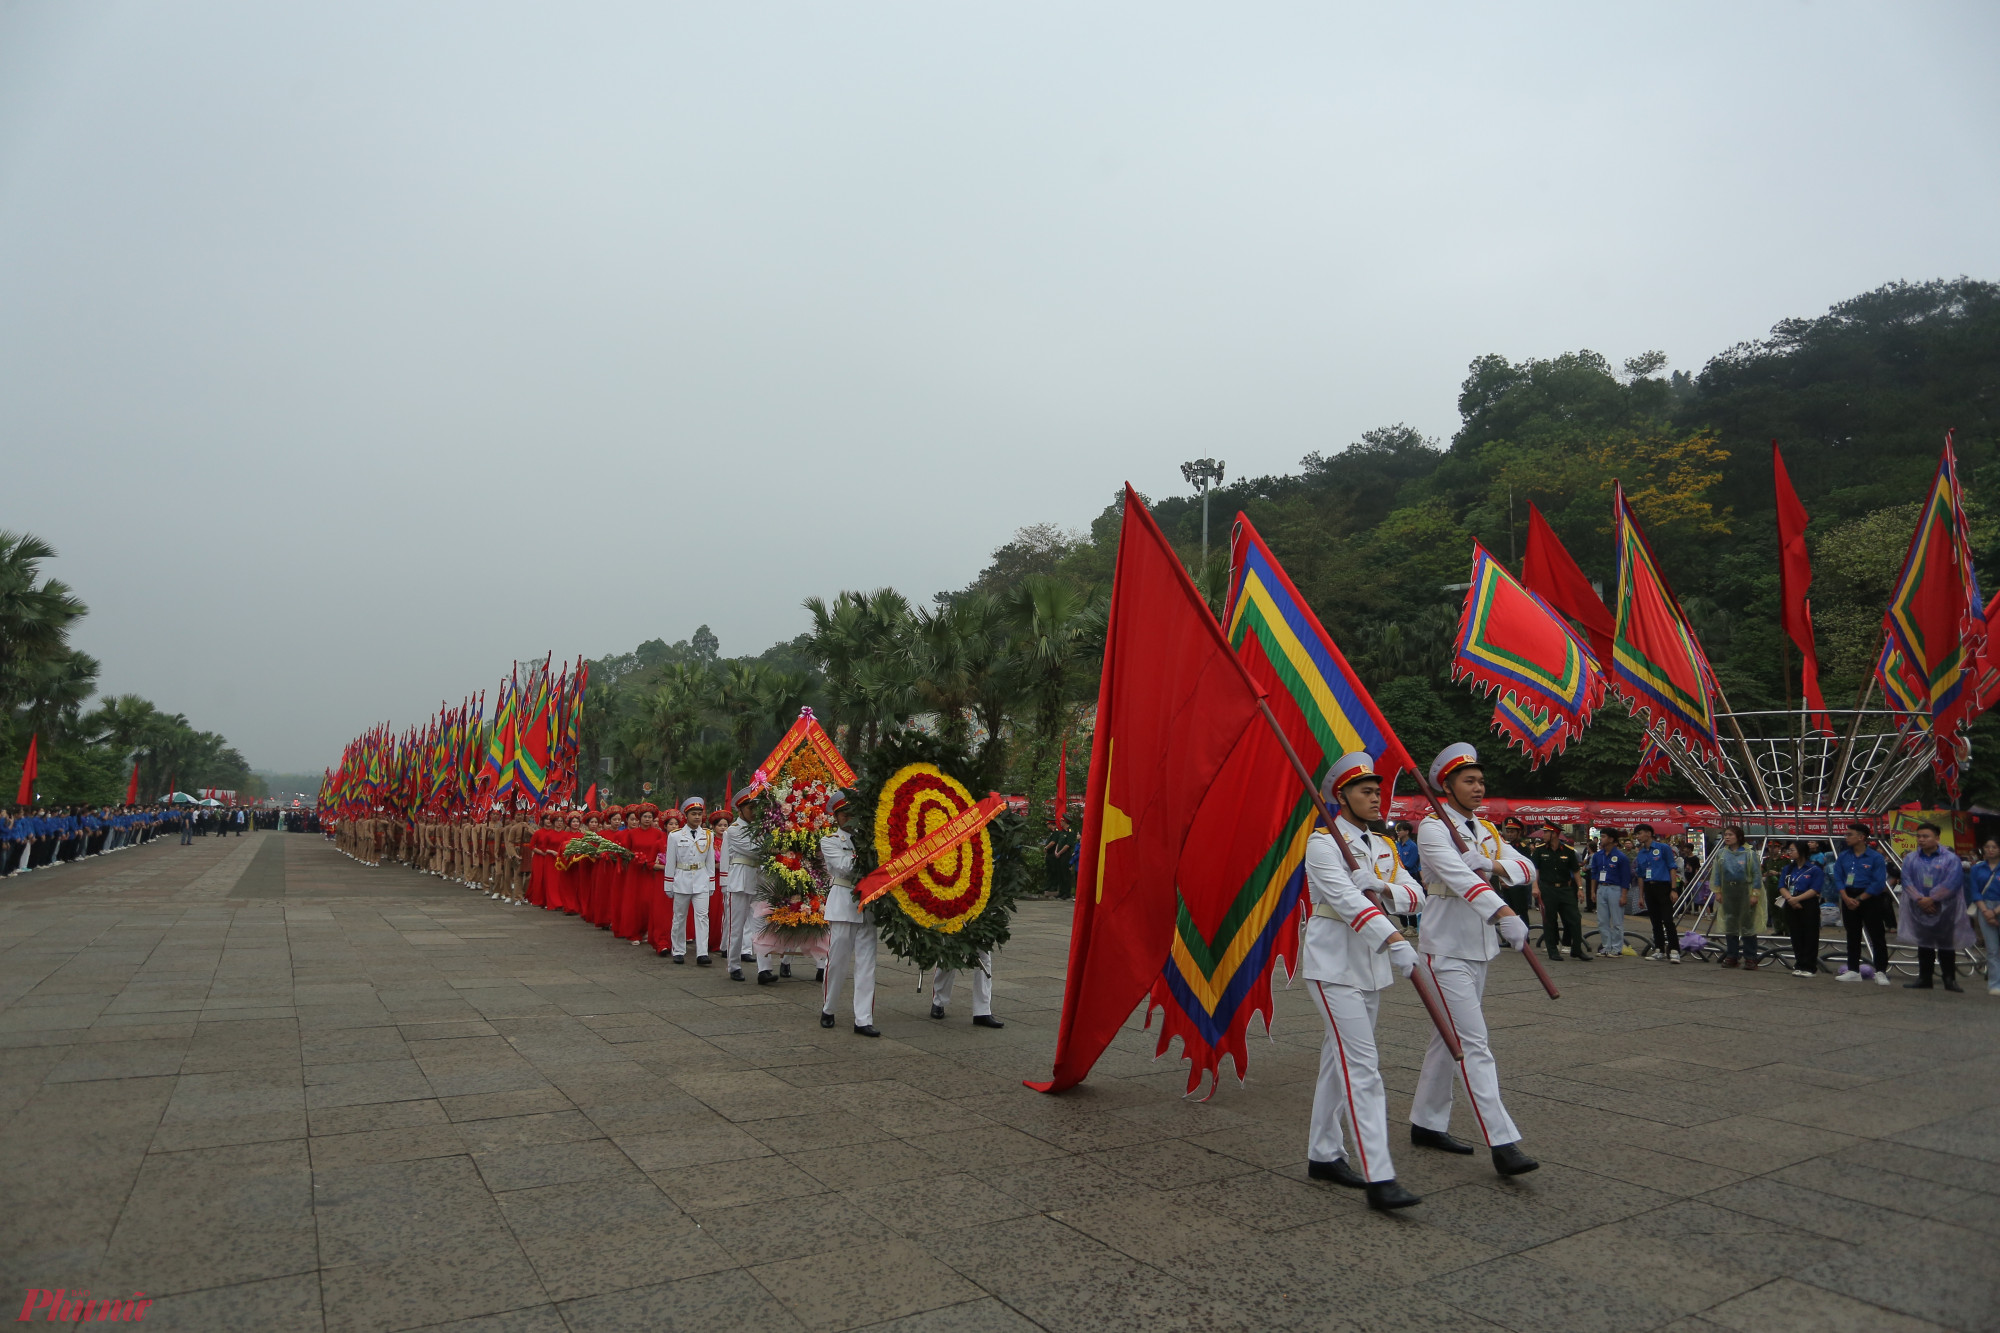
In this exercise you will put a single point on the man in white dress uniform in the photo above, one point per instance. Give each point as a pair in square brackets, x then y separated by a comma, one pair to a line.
[1464, 923]
[1352, 952]
[851, 927]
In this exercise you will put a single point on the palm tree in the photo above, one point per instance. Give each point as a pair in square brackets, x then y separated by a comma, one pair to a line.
[854, 638]
[1054, 627]
[34, 618]
[742, 690]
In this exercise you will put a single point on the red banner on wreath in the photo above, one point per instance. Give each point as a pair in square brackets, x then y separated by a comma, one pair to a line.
[807, 732]
[936, 843]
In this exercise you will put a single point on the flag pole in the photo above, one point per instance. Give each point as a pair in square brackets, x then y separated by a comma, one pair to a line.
[1439, 1018]
[1860, 706]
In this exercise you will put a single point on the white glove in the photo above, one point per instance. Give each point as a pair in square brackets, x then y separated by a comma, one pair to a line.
[1402, 957]
[1513, 930]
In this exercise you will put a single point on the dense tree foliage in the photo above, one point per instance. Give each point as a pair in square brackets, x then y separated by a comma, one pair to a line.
[86, 757]
[1375, 533]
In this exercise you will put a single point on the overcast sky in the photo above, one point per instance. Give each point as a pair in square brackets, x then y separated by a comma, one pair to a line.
[349, 352]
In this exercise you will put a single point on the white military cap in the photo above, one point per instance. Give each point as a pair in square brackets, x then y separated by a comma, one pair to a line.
[1350, 767]
[1450, 759]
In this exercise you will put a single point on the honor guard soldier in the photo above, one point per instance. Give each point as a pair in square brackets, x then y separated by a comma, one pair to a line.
[739, 887]
[946, 980]
[690, 866]
[1352, 951]
[1463, 926]
[851, 950]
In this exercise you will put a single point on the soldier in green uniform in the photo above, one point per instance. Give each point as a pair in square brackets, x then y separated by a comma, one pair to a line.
[1556, 870]
[1520, 897]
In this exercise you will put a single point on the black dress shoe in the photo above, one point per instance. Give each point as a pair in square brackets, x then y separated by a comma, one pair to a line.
[1386, 1195]
[826, 1020]
[747, 958]
[986, 1021]
[1951, 984]
[1337, 1171]
[819, 974]
[701, 960]
[1509, 1160]
[937, 1011]
[784, 969]
[765, 978]
[865, 1030]
[679, 961]
[1437, 1138]
[736, 974]
[1916, 985]
[1580, 956]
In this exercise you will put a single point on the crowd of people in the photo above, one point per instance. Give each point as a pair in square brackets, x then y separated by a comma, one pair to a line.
[38, 838]
[1931, 899]
[683, 881]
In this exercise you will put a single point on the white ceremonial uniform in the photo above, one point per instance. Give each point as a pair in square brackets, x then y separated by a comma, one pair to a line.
[739, 889]
[851, 948]
[946, 981]
[690, 872]
[1458, 940]
[1346, 962]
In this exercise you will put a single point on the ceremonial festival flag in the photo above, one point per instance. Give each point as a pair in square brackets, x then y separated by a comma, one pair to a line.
[1172, 704]
[1794, 579]
[1552, 574]
[1242, 878]
[132, 787]
[26, 795]
[1658, 667]
[1513, 644]
[1541, 736]
[1934, 632]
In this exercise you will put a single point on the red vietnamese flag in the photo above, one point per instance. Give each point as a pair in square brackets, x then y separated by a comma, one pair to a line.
[1552, 574]
[132, 787]
[1794, 579]
[26, 796]
[1172, 706]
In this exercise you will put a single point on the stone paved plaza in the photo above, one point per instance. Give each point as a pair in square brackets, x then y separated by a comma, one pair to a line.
[273, 1089]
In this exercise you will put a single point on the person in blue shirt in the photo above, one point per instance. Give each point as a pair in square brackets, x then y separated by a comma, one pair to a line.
[1656, 867]
[1982, 889]
[1413, 861]
[1610, 877]
[1800, 889]
[1862, 878]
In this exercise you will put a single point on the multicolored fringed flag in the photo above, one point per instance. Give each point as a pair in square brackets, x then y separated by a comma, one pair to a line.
[1242, 873]
[1541, 736]
[1934, 632]
[1512, 643]
[1658, 667]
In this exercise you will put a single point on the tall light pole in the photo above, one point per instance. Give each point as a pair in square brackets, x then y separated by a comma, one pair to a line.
[1201, 474]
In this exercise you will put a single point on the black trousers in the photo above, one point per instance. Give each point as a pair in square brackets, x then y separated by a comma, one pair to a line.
[1927, 962]
[1562, 923]
[1804, 925]
[1660, 911]
[1871, 918]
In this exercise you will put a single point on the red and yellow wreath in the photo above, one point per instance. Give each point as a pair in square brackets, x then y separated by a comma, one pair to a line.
[954, 888]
